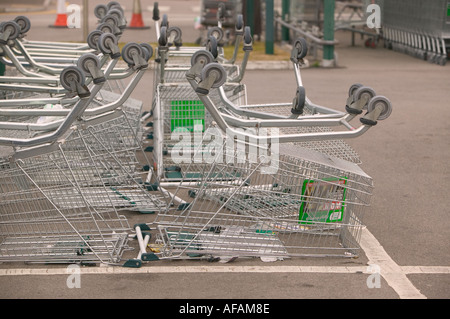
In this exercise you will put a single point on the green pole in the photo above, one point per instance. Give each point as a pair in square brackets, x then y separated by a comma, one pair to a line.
[285, 17]
[250, 15]
[328, 31]
[269, 27]
[2, 69]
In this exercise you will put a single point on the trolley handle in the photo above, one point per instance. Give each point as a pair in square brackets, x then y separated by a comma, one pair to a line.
[73, 77]
[213, 75]
[247, 48]
[155, 16]
[91, 111]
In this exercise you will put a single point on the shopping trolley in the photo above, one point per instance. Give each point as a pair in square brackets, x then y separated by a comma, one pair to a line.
[35, 226]
[127, 130]
[50, 83]
[295, 118]
[79, 176]
[47, 57]
[175, 103]
[219, 13]
[256, 196]
[177, 106]
[174, 60]
[252, 204]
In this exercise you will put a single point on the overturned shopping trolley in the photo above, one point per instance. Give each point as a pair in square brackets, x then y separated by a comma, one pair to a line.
[256, 196]
[299, 203]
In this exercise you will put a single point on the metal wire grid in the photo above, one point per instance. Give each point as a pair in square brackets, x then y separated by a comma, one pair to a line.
[183, 112]
[76, 189]
[35, 227]
[417, 28]
[429, 17]
[335, 148]
[310, 206]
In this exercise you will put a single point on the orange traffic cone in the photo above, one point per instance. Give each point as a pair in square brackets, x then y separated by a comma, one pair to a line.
[136, 18]
[61, 15]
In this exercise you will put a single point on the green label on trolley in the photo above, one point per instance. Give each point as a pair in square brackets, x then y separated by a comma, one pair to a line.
[448, 9]
[189, 114]
[323, 200]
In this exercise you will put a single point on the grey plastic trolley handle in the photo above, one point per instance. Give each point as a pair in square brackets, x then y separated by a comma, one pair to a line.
[88, 63]
[238, 32]
[63, 112]
[156, 18]
[85, 98]
[248, 47]
[213, 79]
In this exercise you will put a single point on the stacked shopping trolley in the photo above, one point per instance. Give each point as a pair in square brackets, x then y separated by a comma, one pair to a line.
[417, 28]
[226, 179]
[70, 136]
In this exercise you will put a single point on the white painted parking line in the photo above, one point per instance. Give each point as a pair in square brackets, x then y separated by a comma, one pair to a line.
[391, 272]
[394, 274]
[183, 269]
[425, 269]
[150, 269]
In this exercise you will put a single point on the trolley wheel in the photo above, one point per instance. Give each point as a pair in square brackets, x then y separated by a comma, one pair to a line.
[202, 56]
[90, 60]
[100, 11]
[118, 14]
[353, 88]
[364, 91]
[211, 46]
[217, 70]
[111, 19]
[215, 32]
[14, 29]
[370, 43]
[380, 101]
[113, 4]
[302, 48]
[92, 39]
[299, 101]
[72, 75]
[86, 59]
[248, 36]
[164, 21]
[117, 7]
[129, 49]
[106, 28]
[176, 33]
[147, 50]
[239, 22]
[104, 46]
[24, 23]
[162, 41]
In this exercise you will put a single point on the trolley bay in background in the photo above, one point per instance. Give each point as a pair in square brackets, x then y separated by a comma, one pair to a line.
[417, 28]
